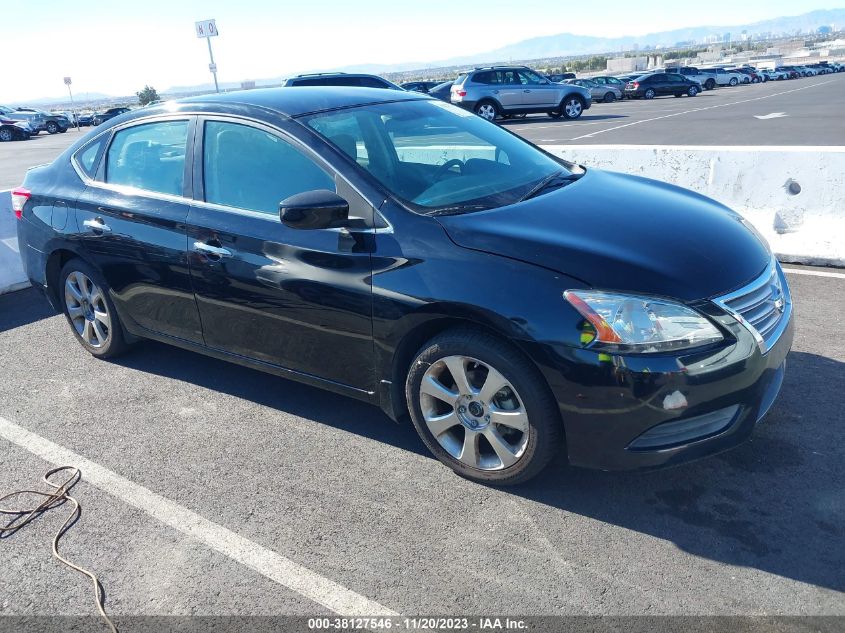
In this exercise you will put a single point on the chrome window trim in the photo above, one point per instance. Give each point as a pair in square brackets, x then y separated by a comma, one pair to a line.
[772, 269]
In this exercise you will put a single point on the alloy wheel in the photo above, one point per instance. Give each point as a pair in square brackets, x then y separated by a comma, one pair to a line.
[87, 309]
[6, 135]
[474, 413]
[573, 108]
[486, 111]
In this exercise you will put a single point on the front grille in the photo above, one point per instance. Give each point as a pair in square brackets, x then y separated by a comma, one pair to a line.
[764, 304]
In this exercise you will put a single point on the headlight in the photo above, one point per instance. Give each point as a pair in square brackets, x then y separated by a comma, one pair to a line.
[631, 323]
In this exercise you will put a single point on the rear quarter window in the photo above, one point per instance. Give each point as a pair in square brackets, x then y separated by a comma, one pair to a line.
[88, 158]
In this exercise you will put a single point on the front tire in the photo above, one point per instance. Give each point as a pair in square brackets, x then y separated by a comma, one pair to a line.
[6, 135]
[692, 92]
[89, 310]
[52, 127]
[572, 107]
[487, 110]
[733, 81]
[482, 408]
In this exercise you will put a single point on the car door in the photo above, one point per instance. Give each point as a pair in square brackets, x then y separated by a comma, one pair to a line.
[131, 224]
[297, 299]
[537, 92]
[508, 89]
[660, 84]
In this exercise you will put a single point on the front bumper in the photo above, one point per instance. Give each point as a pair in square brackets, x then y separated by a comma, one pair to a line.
[648, 411]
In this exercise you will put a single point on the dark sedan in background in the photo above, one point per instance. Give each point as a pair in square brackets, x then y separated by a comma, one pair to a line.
[651, 85]
[396, 249]
[419, 86]
[102, 117]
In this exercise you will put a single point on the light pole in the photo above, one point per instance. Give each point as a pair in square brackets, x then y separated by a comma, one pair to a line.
[72, 106]
[208, 29]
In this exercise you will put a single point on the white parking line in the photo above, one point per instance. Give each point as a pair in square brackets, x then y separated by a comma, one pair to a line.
[814, 273]
[719, 105]
[266, 562]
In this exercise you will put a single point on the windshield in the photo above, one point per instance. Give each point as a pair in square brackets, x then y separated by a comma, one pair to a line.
[436, 157]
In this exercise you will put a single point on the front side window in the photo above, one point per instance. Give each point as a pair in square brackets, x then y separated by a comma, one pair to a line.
[149, 156]
[247, 168]
[436, 157]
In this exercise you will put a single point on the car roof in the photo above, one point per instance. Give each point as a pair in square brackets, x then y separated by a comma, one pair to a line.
[296, 101]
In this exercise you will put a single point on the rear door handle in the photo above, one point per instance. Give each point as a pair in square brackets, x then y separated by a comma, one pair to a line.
[97, 225]
[526, 91]
[208, 249]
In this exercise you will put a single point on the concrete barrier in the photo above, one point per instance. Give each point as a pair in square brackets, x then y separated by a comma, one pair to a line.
[795, 196]
[12, 276]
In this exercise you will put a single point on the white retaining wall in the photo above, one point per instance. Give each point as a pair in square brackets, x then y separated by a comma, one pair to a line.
[11, 270]
[759, 182]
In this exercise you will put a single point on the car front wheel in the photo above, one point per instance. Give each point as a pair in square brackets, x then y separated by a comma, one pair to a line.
[572, 107]
[693, 91]
[90, 311]
[6, 135]
[482, 408]
[52, 127]
[733, 81]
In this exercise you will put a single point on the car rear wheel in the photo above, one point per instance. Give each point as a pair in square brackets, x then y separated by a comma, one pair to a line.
[52, 127]
[482, 408]
[649, 94]
[609, 97]
[487, 110]
[572, 107]
[6, 135]
[692, 91]
[710, 84]
[90, 311]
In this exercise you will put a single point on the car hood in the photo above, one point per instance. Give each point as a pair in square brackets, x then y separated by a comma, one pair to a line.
[620, 232]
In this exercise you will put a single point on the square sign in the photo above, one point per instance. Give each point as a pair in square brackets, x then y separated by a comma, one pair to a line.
[206, 28]
[67, 81]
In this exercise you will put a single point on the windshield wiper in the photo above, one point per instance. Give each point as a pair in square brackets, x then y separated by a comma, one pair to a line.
[557, 179]
[457, 209]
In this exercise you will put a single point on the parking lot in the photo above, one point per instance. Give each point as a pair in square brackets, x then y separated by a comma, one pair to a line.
[796, 112]
[211, 489]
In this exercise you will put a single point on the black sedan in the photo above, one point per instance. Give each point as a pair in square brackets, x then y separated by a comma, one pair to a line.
[651, 85]
[442, 91]
[396, 249]
[102, 117]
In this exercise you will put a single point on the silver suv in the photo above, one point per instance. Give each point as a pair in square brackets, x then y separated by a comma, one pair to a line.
[510, 90]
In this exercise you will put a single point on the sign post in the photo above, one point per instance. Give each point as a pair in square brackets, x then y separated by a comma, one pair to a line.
[72, 106]
[208, 29]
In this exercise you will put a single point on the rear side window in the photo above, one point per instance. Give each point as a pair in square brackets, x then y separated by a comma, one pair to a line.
[149, 156]
[372, 82]
[88, 157]
[486, 77]
[247, 168]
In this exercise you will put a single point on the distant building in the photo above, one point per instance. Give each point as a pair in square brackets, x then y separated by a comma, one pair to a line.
[247, 85]
[620, 65]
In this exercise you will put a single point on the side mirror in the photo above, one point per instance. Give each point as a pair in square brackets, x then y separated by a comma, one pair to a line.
[318, 209]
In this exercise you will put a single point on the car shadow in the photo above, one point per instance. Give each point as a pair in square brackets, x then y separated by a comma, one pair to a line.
[774, 503]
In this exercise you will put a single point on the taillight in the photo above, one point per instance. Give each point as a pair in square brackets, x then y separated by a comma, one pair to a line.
[636, 85]
[19, 198]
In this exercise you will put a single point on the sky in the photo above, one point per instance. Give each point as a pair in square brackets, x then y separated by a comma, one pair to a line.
[116, 47]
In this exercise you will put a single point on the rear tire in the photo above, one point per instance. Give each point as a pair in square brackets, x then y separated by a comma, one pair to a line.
[457, 417]
[52, 127]
[6, 135]
[609, 97]
[710, 84]
[487, 110]
[90, 311]
[649, 94]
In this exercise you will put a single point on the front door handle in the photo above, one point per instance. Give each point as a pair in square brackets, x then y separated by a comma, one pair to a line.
[97, 225]
[526, 91]
[208, 249]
